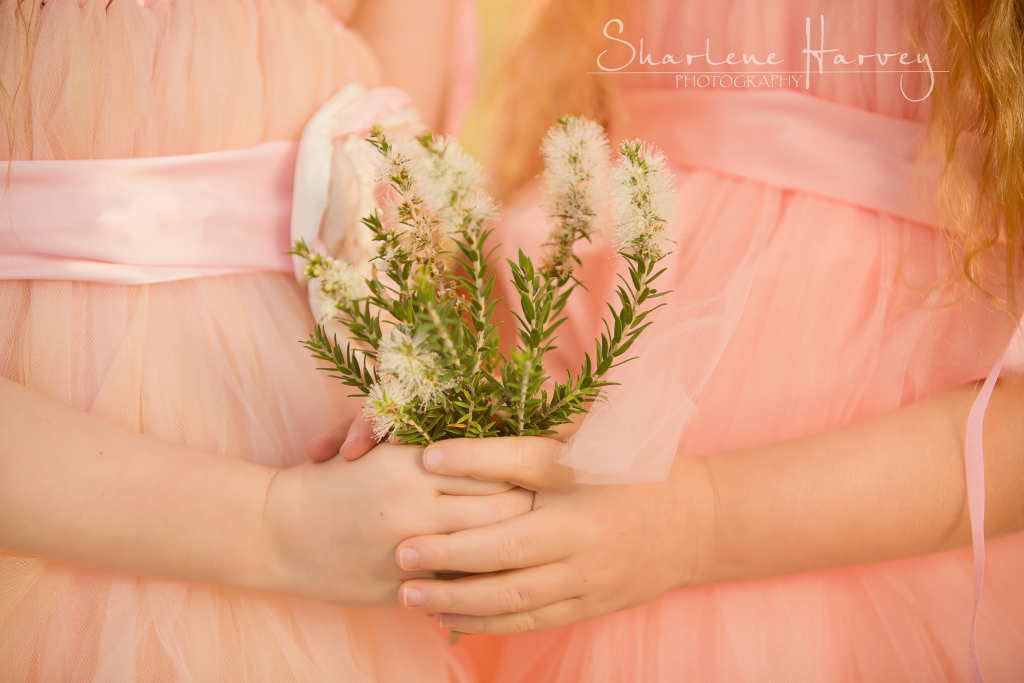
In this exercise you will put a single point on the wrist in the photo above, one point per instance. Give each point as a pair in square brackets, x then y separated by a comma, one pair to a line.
[279, 522]
[234, 540]
[697, 506]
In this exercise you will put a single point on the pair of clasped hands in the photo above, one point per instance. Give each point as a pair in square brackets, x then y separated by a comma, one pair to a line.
[539, 550]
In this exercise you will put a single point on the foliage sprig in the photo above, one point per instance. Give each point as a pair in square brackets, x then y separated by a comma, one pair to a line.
[438, 373]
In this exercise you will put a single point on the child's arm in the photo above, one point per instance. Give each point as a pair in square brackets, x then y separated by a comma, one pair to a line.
[76, 488]
[889, 487]
[886, 488]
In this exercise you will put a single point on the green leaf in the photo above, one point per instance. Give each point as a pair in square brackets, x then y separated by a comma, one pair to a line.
[627, 314]
[528, 311]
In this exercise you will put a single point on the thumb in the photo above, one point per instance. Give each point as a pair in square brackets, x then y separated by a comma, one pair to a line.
[359, 439]
[350, 439]
[526, 461]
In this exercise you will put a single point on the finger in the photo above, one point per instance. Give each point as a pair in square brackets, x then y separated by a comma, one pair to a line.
[325, 446]
[527, 461]
[550, 616]
[518, 590]
[521, 541]
[359, 439]
[466, 486]
[458, 513]
[410, 456]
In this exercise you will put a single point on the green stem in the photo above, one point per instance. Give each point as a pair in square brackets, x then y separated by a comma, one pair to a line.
[523, 388]
[445, 337]
[615, 345]
[426, 437]
[475, 243]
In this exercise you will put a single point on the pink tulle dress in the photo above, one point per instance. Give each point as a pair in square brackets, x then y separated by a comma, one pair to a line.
[202, 104]
[805, 277]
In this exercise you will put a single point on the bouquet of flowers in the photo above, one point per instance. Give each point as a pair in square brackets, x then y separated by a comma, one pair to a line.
[422, 345]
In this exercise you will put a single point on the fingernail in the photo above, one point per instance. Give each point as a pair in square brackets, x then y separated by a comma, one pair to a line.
[446, 621]
[432, 458]
[411, 597]
[408, 559]
[352, 436]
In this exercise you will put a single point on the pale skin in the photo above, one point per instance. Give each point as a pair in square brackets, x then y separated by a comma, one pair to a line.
[76, 488]
[886, 488]
[411, 44]
[79, 489]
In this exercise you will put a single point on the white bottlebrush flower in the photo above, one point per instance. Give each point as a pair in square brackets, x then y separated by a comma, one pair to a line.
[403, 155]
[442, 192]
[340, 282]
[419, 227]
[328, 309]
[409, 219]
[386, 254]
[478, 207]
[575, 153]
[385, 407]
[449, 180]
[408, 360]
[643, 199]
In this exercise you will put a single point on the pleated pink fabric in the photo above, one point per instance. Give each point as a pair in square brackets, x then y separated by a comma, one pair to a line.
[800, 304]
[212, 363]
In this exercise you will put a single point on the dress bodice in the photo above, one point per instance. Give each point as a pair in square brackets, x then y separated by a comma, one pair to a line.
[129, 79]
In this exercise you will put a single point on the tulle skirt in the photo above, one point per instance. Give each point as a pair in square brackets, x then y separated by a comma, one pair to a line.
[834, 313]
[214, 364]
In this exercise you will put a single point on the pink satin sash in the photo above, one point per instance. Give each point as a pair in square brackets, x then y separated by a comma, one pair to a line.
[130, 221]
[791, 141]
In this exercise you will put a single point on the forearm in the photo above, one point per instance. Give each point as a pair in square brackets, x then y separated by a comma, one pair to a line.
[76, 488]
[885, 488]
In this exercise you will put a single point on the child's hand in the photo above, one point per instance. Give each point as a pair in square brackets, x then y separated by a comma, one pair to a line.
[331, 528]
[584, 551]
[350, 439]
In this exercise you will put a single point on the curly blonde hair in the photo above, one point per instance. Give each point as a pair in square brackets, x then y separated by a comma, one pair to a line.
[983, 93]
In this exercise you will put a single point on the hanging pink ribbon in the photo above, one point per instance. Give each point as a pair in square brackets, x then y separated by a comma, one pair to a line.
[974, 461]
